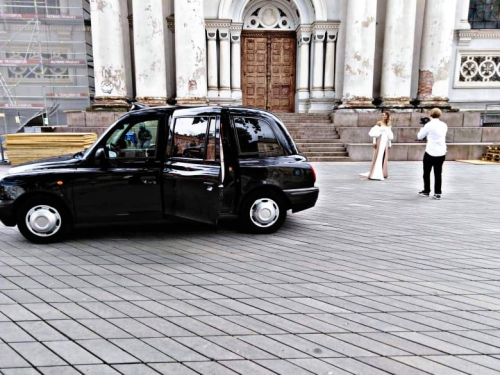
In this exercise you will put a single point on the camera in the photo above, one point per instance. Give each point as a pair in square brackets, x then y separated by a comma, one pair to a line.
[424, 120]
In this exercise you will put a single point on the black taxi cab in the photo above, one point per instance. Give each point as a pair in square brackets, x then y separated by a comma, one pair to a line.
[198, 163]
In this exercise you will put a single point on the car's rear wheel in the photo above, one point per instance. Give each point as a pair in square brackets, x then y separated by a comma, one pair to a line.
[43, 220]
[262, 212]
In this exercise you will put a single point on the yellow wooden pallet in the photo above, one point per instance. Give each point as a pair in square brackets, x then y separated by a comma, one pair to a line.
[25, 147]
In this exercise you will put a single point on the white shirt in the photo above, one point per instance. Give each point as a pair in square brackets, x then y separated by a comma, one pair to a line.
[435, 131]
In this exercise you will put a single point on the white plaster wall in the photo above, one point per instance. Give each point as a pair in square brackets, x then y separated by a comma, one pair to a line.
[211, 9]
[340, 57]
[333, 9]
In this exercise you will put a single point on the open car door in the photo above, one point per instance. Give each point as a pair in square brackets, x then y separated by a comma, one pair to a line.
[192, 171]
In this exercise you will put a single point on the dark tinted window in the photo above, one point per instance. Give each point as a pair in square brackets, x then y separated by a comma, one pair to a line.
[484, 14]
[256, 137]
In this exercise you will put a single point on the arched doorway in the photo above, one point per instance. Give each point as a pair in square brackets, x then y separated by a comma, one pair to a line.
[268, 54]
[268, 70]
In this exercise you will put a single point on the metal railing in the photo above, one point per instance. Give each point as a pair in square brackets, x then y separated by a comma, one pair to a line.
[491, 115]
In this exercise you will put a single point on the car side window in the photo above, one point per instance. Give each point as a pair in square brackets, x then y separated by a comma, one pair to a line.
[134, 140]
[255, 136]
[190, 134]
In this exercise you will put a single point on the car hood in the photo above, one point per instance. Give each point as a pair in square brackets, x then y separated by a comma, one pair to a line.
[54, 162]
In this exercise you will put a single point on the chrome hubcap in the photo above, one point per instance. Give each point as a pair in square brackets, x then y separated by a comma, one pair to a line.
[264, 212]
[43, 220]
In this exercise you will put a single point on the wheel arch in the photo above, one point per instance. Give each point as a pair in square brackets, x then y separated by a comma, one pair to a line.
[41, 194]
[264, 188]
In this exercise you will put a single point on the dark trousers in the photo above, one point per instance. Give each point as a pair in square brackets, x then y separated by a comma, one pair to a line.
[431, 162]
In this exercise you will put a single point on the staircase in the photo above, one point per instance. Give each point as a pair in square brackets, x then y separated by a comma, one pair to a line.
[315, 136]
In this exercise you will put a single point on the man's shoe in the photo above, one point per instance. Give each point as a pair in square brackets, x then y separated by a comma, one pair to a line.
[437, 196]
[423, 194]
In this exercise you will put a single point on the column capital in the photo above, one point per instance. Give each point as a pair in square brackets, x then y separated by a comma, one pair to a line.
[331, 35]
[211, 34]
[304, 34]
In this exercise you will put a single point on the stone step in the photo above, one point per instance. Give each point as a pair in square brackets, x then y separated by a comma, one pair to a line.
[316, 141]
[339, 148]
[316, 154]
[305, 146]
[328, 158]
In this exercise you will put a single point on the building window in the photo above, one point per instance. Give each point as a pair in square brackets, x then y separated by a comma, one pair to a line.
[484, 14]
[42, 7]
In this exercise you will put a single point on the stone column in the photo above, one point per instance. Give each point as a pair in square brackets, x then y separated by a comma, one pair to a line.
[331, 38]
[225, 63]
[435, 53]
[190, 52]
[397, 58]
[317, 81]
[236, 61]
[213, 83]
[149, 52]
[303, 92]
[111, 48]
[359, 54]
[304, 41]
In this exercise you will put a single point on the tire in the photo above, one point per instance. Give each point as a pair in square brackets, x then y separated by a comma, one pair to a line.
[43, 220]
[262, 212]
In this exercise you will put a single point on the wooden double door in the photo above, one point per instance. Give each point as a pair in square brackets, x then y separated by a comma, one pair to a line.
[268, 70]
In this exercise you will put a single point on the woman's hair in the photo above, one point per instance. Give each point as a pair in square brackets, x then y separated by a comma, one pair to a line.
[435, 113]
[387, 121]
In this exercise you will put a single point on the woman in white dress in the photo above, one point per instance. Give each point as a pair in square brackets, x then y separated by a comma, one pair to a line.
[382, 137]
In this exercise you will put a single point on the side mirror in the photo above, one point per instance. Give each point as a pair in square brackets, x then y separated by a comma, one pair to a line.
[100, 154]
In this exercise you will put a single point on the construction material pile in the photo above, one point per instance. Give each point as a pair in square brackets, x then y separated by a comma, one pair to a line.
[25, 147]
[492, 153]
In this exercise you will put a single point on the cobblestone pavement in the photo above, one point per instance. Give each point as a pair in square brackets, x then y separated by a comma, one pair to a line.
[373, 280]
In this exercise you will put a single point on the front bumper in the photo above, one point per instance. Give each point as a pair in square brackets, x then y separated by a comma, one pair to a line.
[302, 199]
[6, 216]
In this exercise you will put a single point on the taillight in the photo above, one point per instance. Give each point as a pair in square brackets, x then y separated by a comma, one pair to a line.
[313, 172]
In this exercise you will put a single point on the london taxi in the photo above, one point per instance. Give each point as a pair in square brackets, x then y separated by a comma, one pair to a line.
[202, 163]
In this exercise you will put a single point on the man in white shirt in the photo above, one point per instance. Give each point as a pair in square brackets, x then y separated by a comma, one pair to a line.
[435, 152]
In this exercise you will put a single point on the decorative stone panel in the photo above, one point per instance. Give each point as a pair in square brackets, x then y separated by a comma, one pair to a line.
[477, 69]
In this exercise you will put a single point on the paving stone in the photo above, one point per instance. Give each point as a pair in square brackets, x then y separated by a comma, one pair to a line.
[9, 358]
[369, 344]
[192, 325]
[316, 366]
[11, 332]
[59, 370]
[135, 328]
[45, 311]
[135, 369]
[74, 311]
[240, 347]
[179, 352]
[72, 353]
[97, 370]
[17, 313]
[434, 343]
[41, 331]
[350, 366]
[107, 351]
[37, 354]
[141, 350]
[338, 346]
[428, 365]
[73, 329]
[204, 368]
[207, 348]
[20, 371]
[463, 365]
[392, 366]
[276, 366]
[224, 325]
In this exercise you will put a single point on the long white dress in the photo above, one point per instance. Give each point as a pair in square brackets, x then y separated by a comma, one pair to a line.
[382, 137]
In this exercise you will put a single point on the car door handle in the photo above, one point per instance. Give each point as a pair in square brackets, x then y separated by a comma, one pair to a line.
[209, 185]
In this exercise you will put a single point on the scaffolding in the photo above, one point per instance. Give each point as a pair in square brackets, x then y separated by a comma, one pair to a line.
[43, 61]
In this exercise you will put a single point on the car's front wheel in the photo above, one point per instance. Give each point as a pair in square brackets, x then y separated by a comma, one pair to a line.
[263, 212]
[43, 220]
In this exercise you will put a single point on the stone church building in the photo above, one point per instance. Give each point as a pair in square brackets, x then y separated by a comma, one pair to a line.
[305, 56]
